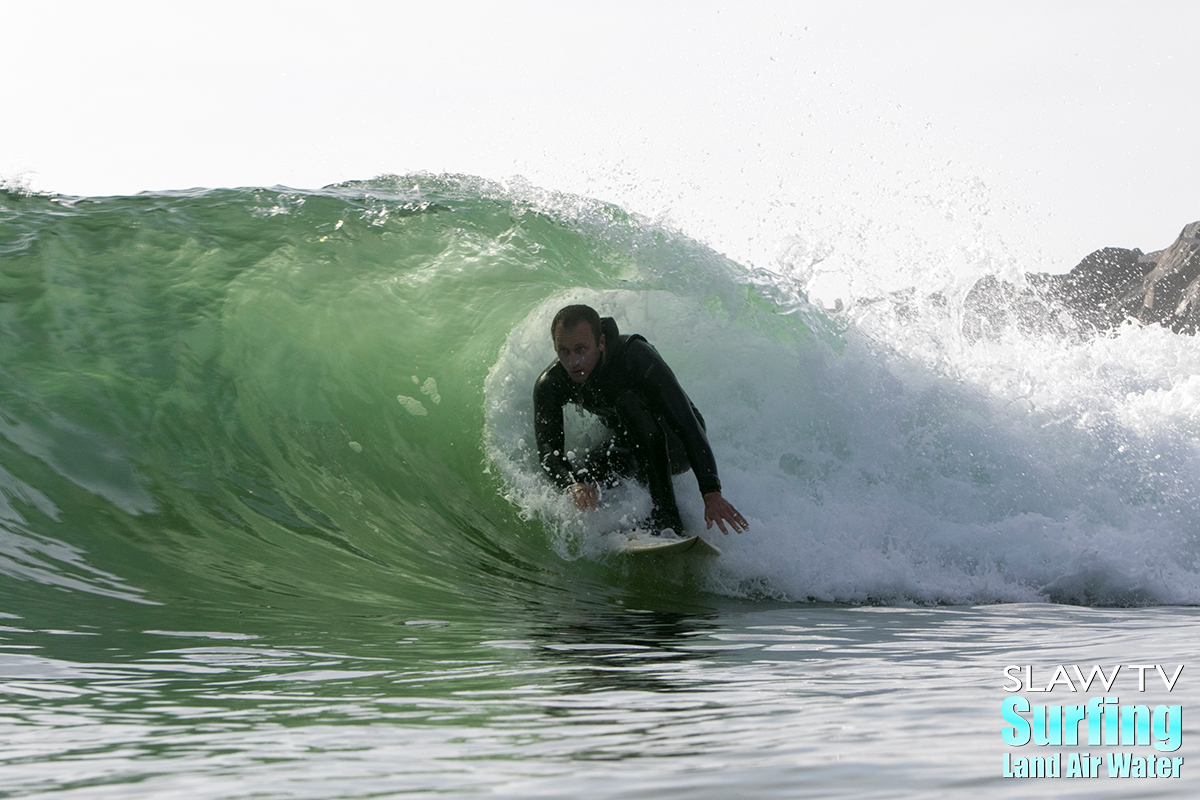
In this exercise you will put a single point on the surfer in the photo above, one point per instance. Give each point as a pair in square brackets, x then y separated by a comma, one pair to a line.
[657, 432]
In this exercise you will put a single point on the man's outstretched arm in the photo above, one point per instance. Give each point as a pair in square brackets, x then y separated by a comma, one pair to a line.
[659, 382]
[548, 403]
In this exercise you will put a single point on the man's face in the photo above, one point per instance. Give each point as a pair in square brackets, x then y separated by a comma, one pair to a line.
[578, 351]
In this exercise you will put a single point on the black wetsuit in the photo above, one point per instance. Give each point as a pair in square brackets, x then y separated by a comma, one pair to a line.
[657, 431]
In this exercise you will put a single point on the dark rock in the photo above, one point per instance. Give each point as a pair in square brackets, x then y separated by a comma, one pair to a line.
[1094, 290]
[1168, 292]
[993, 306]
[1104, 290]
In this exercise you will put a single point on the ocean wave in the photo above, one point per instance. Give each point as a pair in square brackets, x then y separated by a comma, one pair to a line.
[267, 395]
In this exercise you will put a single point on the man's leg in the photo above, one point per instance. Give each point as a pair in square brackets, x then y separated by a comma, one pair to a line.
[608, 462]
[648, 439]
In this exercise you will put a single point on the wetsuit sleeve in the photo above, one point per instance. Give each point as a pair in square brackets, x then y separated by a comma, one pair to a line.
[549, 397]
[660, 384]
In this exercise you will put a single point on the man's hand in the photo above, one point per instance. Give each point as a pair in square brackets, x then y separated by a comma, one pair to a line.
[584, 496]
[719, 510]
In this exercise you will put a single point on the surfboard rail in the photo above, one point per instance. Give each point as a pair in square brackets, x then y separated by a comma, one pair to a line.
[641, 543]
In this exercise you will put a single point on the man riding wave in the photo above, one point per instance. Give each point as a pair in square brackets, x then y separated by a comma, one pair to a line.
[656, 430]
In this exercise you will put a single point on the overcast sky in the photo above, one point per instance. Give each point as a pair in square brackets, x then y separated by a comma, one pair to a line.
[1079, 118]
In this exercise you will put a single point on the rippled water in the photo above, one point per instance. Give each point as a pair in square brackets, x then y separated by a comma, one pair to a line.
[745, 700]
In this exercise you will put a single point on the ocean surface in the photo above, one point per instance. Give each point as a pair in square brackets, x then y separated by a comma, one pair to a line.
[271, 524]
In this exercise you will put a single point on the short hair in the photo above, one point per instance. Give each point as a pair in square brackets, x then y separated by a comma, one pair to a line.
[570, 316]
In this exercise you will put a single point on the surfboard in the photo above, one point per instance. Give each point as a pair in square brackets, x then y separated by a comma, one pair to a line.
[640, 543]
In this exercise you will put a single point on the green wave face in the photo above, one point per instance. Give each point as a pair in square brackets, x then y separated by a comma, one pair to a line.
[275, 397]
[320, 403]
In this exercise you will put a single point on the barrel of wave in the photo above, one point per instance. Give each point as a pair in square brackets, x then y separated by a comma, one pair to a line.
[723, 358]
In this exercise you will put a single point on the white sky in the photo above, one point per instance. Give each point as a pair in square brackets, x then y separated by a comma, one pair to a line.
[1080, 117]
